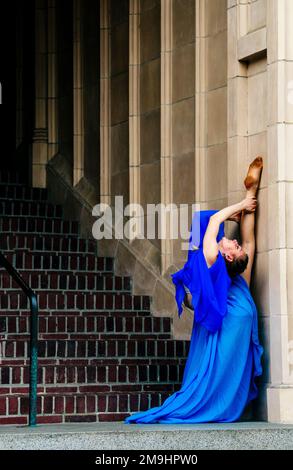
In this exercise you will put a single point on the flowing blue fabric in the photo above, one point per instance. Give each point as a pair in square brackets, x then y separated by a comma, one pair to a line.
[208, 286]
[224, 356]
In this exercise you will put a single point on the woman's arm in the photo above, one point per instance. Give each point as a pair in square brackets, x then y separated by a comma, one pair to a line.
[210, 245]
[248, 204]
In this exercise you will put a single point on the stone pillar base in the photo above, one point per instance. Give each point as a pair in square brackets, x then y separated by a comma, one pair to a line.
[280, 404]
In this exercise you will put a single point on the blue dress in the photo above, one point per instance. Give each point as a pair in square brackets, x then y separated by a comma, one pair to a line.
[224, 354]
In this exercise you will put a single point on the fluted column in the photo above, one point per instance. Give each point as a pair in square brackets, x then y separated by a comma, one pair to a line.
[78, 114]
[105, 102]
[134, 101]
[200, 102]
[52, 81]
[237, 100]
[40, 134]
[166, 127]
[19, 78]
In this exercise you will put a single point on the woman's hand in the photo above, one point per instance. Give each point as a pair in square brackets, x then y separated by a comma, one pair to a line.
[249, 204]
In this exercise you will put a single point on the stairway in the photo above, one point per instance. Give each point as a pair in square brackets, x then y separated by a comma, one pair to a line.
[102, 355]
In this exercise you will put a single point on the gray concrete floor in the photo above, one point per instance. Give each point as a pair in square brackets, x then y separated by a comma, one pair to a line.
[121, 436]
[122, 427]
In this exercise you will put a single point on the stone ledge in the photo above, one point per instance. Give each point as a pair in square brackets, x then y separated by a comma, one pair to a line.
[122, 436]
[252, 45]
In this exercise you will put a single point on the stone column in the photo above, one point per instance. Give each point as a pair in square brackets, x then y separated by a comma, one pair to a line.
[52, 81]
[78, 115]
[134, 101]
[280, 196]
[182, 116]
[19, 77]
[247, 138]
[200, 101]
[105, 102]
[260, 116]
[40, 135]
[166, 128]
[237, 100]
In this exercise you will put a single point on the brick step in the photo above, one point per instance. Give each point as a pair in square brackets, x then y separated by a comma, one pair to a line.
[68, 407]
[37, 225]
[29, 208]
[97, 348]
[59, 281]
[102, 354]
[47, 243]
[24, 260]
[22, 193]
[95, 361]
[87, 324]
[70, 300]
[25, 313]
[78, 336]
[88, 389]
[80, 378]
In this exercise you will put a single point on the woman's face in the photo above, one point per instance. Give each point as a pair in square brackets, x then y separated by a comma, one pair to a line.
[231, 249]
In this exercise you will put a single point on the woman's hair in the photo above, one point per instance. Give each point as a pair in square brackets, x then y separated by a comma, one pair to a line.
[237, 266]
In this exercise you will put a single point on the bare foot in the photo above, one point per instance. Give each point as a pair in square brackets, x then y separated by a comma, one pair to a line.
[253, 175]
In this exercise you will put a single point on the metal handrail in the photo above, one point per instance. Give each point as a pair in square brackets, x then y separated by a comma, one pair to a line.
[33, 337]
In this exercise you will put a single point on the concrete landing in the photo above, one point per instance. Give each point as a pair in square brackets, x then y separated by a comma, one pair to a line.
[121, 436]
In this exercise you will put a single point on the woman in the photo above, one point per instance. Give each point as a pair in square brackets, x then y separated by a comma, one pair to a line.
[224, 353]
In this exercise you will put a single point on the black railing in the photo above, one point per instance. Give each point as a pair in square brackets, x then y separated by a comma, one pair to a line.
[33, 337]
